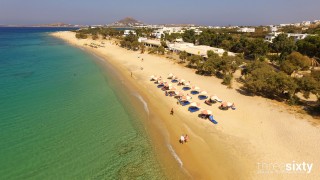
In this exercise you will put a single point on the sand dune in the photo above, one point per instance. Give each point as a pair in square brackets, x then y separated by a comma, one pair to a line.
[258, 131]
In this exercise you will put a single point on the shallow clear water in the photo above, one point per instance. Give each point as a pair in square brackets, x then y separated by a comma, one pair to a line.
[61, 117]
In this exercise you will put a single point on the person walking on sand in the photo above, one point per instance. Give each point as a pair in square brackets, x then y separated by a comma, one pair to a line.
[186, 138]
[182, 140]
[171, 112]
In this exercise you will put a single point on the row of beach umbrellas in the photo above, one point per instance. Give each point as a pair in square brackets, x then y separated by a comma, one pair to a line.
[186, 98]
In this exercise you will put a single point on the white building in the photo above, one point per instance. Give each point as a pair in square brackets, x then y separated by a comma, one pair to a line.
[246, 30]
[273, 28]
[306, 23]
[167, 30]
[270, 37]
[192, 49]
[127, 32]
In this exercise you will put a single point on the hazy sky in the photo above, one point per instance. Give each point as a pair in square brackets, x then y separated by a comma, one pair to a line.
[204, 12]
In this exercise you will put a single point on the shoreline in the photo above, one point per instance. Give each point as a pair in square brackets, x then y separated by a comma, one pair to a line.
[258, 131]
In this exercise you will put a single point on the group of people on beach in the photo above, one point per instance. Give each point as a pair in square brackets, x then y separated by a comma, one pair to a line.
[184, 138]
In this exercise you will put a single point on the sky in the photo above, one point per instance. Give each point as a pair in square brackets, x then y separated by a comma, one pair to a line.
[200, 12]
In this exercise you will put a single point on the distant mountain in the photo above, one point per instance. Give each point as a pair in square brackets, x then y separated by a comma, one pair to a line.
[127, 22]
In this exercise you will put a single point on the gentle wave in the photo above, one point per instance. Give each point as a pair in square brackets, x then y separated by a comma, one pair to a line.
[175, 155]
[145, 104]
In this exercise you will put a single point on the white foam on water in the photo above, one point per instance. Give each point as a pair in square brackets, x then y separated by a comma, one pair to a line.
[145, 104]
[175, 155]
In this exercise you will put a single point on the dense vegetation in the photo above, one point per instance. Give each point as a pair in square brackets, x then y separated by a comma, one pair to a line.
[266, 68]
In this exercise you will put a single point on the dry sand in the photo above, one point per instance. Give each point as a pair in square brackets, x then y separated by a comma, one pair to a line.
[258, 131]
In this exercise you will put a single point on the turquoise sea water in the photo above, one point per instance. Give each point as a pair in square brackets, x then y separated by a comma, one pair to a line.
[61, 117]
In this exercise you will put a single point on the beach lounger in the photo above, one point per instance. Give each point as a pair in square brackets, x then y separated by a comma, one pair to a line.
[184, 103]
[212, 120]
[186, 88]
[194, 92]
[193, 109]
[202, 97]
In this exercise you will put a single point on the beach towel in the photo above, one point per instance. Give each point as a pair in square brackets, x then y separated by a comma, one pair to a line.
[212, 120]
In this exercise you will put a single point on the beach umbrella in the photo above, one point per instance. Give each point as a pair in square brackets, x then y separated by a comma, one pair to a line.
[203, 93]
[206, 112]
[196, 88]
[215, 98]
[174, 77]
[172, 88]
[179, 93]
[195, 104]
[153, 77]
[187, 84]
[224, 104]
[229, 104]
[170, 75]
[185, 98]
[182, 80]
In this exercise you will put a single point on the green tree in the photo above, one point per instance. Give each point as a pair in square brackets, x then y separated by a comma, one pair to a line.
[307, 84]
[266, 82]
[212, 54]
[283, 45]
[189, 36]
[194, 60]
[309, 46]
[256, 49]
[183, 56]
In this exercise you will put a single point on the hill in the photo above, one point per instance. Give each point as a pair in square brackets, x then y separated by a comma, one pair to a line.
[127, 22]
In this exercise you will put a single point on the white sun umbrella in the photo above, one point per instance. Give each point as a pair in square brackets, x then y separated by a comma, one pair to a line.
[186, 98]
[161, 82]
[229, 104]
[182, 80]
[203, 93]
[215, 98]
[179, 93]
[206, 112]
[152, 77]
[172, 88]
[170, 75]
[195, 104]
[174, 77]
[186, 84]
[195, 88]
[168, 85]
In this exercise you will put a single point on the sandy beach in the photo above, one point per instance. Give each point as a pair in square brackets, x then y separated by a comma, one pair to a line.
[259, 131]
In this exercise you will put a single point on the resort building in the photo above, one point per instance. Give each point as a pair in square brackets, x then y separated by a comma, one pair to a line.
[296, 37]
[192, 49]
[127, 32]
[246, 30]
[167, 30]
[150, 42]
